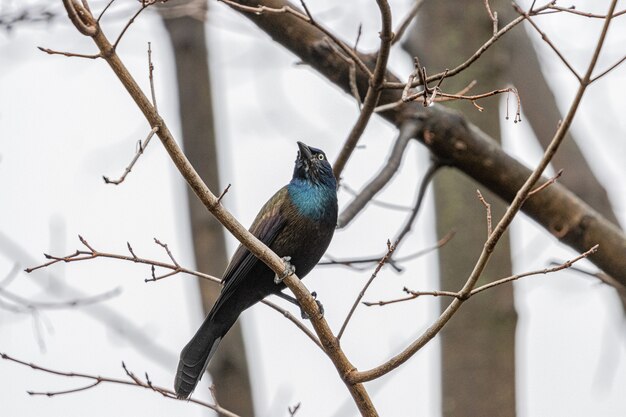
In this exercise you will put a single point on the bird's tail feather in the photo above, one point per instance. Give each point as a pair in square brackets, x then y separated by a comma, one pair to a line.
[195, 357]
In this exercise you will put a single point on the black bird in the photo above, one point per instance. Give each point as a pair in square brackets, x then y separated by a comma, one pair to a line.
[297, 223]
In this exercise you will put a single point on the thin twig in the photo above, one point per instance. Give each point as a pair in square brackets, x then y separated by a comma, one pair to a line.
[141, 147]
[390, 249]
[167, 249]
[487, 209]
[219, 199]
[97, 380]
[295, 321]
[572, 10]
[547, 40]
[412, 295]
[501, 227]
[544, 271]
[373, 92]
[392, 261]
[406, 21]
[546, 184]
[611, 68]
[261, 9]
[174, 269]
[293, 410]
[104, 11]
[428, 176]
[459, 295]
[380, 203]
[493, 16]
[468, 62]
[144, 5]
[407, 131]
[354, 89]
[151, 77]
[69, 54]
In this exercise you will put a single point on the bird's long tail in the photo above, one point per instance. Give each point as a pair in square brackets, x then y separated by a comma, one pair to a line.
[196, 356]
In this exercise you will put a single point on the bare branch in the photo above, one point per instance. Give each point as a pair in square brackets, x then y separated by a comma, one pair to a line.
[463, 66]
[68, 54]
[512, 278]
[412, 295]
[373, 91]
[458, 295]
[256, 247]
[493, 16]
[174, 269]
[407, 131]
[406, 21]
[167, 249]
[385, 204]
[546, 184]
[144, 5]
[293, 410]
[501, 227]
[104, 11]
[261, 9]
[97, 380]
[488, 209]
[354, 89]
[392, 261]
[609, 69]
[573, 10]
[141, 146]
[547, 40]
[428, 176]
[390, 249]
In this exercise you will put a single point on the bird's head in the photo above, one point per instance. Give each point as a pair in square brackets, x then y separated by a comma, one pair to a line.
[313, 166]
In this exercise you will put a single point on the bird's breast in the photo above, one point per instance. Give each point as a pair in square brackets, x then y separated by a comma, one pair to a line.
[316, 202]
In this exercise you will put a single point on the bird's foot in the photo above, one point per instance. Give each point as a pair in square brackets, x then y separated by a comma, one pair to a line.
[303, 313]
[289, 270]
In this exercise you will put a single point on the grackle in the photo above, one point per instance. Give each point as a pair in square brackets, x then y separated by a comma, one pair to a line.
[297, 223]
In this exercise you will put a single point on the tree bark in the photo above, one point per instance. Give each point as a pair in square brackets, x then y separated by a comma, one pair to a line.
[460, 144]
[229, 367]
[478, 346]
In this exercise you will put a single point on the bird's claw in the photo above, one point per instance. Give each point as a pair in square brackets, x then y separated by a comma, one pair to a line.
[303, 313]
[289, 270]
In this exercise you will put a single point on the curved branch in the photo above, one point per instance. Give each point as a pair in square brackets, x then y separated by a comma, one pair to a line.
[329, 342]
[407, 132]
[373, 91]
[461, 145]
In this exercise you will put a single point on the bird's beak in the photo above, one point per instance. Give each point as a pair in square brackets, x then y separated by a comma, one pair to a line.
[305, 152]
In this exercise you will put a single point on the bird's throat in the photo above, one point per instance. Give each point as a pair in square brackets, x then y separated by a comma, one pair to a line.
[315, 201]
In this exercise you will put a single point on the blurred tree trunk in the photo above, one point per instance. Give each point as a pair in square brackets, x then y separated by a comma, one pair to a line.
[229, 367]
[478, 346]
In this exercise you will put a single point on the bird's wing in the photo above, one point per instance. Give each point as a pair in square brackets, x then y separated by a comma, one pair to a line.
[268, 223]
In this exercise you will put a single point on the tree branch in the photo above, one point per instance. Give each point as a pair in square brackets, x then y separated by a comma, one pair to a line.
[460, 144]
[329, 342]
[97, 380]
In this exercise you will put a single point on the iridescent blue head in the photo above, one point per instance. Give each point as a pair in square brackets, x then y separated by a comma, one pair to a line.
[312, 166]
[313, 188]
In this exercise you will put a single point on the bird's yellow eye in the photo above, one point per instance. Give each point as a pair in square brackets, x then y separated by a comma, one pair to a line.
[320, 157]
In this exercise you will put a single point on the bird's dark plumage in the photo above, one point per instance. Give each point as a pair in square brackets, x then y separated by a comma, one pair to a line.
[298, 221]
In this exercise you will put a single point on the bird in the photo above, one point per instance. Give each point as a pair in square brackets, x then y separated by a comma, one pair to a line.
[297, 223]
